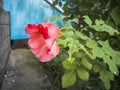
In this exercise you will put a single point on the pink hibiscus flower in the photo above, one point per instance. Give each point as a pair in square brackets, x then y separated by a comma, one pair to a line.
[42, 41]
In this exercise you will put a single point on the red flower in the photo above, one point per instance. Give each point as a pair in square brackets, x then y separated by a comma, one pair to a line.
[42, 41]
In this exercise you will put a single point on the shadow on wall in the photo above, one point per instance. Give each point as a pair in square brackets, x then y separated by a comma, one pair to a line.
[22, 43]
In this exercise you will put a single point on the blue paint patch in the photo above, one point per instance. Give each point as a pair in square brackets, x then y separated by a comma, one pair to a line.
[23, 12]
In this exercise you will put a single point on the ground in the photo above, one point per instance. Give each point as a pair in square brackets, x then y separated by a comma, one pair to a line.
[25, 72]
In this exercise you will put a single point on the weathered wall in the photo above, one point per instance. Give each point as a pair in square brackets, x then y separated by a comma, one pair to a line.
[1, 1]
[4, 40]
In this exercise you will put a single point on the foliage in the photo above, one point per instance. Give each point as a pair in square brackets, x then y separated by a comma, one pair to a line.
[107, 10]
[93, 8]
[87, 55]
[115, 13]
[91, 45]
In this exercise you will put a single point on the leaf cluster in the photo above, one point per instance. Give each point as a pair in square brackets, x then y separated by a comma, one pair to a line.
[92, 41]
[87, 54]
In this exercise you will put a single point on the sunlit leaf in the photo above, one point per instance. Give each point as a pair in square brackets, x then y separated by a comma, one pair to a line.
[66, 38]
[86, 51]
[87, 20]
[99, 22]
[68, 33]
[86, 63]
[95, 49]
[97, 52]
[109, 29]
[63, 42]
[68, 79]
[116, 58]
[91, 43]
[73, 47]
[81, 36]
[111, 64]
[75, 20]
[68, 65]
[115, 55]
[104, 28]
[82, 73]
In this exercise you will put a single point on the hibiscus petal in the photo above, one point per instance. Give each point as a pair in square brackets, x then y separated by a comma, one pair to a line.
[54, 50]
[42, 53]
[45, 54]
[49, 42]
[52, 30]
[42, 41]
[36, 41]
[48, 55]
[32, 28]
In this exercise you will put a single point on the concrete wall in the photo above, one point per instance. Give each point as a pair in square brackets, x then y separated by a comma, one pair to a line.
[4, 40]
[1, 1]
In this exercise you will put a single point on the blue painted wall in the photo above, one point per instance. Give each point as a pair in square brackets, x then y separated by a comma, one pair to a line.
[23, 12]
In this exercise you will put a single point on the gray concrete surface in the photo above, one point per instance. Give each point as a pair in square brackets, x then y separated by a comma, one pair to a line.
[24, 72]
[4, 40]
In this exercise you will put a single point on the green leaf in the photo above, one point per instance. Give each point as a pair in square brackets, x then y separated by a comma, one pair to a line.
[106, 47]
[64, 42]
[109, 29]
[116, 58]
[111, 64]
[81, 36]
[68, 79]
[115, 55]
[91, 43]
[68, 65]
[115, 13]
[99, 22]
[86, 63]
[95, 49]
[73, 47]
[71, 60]
[110, 57]
[82, 73]
[75, 20]
[77, 54]
[87, 20]
[104, 78]
[96, 68]
[86, 51]
[110, 75]
[102, 27]
[97, 52]
[68, 33]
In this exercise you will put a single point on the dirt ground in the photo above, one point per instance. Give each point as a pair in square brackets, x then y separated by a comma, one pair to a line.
[24, 72]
